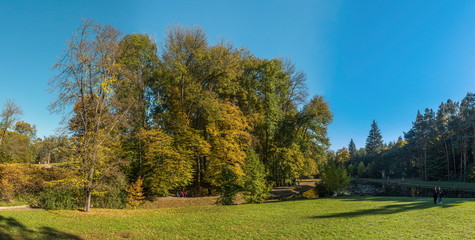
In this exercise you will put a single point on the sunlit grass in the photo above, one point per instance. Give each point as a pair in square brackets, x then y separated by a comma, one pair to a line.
[329, 218]
[13, 203]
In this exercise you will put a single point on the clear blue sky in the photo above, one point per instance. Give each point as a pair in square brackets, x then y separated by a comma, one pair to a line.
[381, 60]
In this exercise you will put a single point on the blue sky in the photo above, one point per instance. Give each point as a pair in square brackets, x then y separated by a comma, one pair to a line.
[381, 60]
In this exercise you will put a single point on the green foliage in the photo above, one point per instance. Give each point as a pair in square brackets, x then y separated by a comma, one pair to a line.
[53, 149]
[255, 183]
[471, 173]
[183, 116]
[62, 194]
[374, 142]
[371, 171]
[58, 198]
[350, 169]
[334, 178]
[361, 170]
[164, 167]
[228, 183]
[351, 147]
[16, 148]
[439, 146]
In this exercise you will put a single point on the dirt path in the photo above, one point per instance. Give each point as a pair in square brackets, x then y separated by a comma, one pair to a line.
[280, 193]
[15, 208]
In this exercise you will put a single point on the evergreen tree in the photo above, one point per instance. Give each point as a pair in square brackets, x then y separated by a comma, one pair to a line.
[361, 170]
[352, 147]
[374, 141]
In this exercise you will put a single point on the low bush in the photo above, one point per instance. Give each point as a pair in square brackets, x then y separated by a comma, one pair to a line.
[334, 178]
[312, 193]
[57, 198]
[61, 194]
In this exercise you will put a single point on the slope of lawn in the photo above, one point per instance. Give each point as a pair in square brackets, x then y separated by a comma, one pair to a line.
[327, 218]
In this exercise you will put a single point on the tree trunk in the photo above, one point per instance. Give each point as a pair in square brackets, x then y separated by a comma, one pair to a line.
[448, 159]
[87, 199]
[464, 164]
[198, 175]
[425, 163]
[453, 157]
[461, 164]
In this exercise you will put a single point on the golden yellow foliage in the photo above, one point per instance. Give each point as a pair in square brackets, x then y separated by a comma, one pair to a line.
[135, 193]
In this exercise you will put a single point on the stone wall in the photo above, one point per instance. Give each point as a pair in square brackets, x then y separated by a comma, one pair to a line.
[366, 188]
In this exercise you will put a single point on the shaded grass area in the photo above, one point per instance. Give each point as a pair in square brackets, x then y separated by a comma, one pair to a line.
[327, 218]
[430, 184]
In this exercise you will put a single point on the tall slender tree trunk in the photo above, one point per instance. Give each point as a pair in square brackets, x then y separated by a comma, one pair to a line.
[453, 157]
[448, 159]
[198, 174]
[464, 164]
[87, 200]
[461, 164]
[425, 163]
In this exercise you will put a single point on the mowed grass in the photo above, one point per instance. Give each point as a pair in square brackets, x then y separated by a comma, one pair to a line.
[326, 218]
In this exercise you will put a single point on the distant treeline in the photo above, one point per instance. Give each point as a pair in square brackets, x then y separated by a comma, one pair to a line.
[185, 115]
[439, 146]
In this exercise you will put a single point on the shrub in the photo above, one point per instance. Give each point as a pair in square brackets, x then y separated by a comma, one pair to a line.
[58, 198]
[61, 194]
[135, 193]
[334, 178]
[228, 186]
[255, 184]
[6, 190]
[321, 191]
[312, 193]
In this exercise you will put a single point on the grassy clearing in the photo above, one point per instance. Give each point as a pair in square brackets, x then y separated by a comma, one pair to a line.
[13, 203]
[430, 184]
[330, 218]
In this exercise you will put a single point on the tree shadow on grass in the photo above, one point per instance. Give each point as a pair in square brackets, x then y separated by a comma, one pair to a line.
[403, 205]
[11, 229]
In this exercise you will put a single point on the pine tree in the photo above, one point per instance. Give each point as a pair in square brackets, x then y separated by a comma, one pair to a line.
[352, 147]
[374, 142]
[135, 193]
[361, 170]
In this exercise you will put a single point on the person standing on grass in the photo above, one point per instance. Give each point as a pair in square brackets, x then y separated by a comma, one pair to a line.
[440, 195]
[436, 194]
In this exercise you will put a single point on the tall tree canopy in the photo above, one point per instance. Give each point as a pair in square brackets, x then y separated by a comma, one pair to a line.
[185, 114]
[439, 146]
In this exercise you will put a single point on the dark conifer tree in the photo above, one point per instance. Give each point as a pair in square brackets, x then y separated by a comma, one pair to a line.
[374, 142]
[352, 147]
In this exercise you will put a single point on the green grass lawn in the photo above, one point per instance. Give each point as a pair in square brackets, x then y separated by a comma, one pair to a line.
[327, 218]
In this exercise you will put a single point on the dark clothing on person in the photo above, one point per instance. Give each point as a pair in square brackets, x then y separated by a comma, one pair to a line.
[440, 195]
[436, 195]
